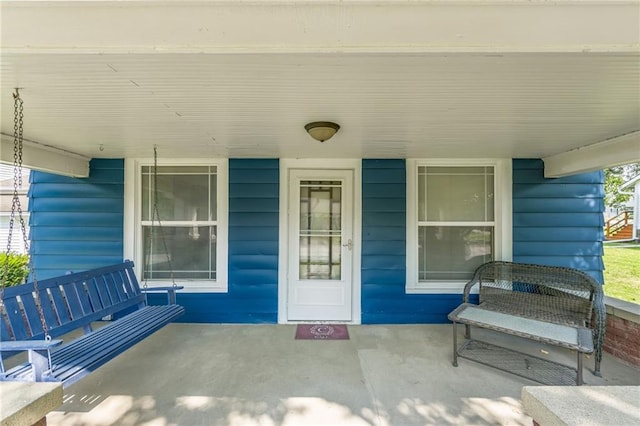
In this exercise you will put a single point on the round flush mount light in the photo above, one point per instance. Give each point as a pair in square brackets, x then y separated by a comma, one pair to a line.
[322, 130]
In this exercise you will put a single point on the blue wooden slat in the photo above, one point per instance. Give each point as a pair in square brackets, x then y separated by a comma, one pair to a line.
[252, 218]
[60, 305]
[101, 286]
[4, 329]
[387, 262]
[555, 248]
[72, 248]
[85, 191]
[129, 287]
[47, 308]
[78, 219]
[558, 191]
[396, 204]
[559, 219]
[247, 176]
[74, 263]
[31, 312]
[14, 313]
[73, 300]
[254, 233]
[397, 175]
[97, 205]
[557, 205]
[115, 293]
[252, 190]
[383, 233]
[133, 280]
[583, 263]
[386, 190]
[82, 234]
[253, 204]
[384, 219]
[382, 248]
[268, 248]
[251, 277]
[253, 261]
[94, 295]
[560, 234]
[391, 277]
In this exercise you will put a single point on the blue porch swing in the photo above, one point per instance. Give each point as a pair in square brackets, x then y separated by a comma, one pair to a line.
[36, 316]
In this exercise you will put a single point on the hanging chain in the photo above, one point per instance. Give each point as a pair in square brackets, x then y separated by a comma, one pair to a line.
[18, 119]
[156, 215]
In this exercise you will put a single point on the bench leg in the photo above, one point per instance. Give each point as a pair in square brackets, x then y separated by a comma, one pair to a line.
[467, 331]
[579, 381]
[455, 345]
[39, 360]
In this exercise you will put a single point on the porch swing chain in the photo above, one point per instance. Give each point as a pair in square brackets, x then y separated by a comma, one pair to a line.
[18, 119]
[156, 215]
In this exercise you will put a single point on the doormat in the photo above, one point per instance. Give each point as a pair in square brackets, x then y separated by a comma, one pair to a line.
[322, 332]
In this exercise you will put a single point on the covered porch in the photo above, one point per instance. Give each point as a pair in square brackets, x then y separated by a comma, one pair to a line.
[197, 374]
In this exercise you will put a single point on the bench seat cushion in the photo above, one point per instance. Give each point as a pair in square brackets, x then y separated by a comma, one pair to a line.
[72, 361]
[577, 338]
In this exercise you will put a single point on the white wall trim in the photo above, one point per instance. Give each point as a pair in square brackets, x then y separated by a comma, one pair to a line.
[286, 165]
[503, 219]
[45, 158]
[132, 233]
[624, 149]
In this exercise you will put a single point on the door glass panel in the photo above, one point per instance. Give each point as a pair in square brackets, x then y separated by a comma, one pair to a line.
[320, 230]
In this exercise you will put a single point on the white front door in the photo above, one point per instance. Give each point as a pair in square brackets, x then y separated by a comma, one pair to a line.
[320, 245]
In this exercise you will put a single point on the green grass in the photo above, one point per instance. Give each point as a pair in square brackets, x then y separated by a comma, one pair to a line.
[622, 273]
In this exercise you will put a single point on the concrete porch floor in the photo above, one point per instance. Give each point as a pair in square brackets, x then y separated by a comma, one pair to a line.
[210, 374]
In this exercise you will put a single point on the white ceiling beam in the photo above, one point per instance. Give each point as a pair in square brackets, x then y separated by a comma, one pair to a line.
[612, 152]
[352, 26]
[45, 158]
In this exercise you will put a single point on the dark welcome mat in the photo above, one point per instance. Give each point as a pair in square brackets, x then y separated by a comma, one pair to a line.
[322, 332]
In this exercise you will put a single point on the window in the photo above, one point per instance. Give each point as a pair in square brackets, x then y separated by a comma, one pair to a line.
[182, 231]
[456, 221]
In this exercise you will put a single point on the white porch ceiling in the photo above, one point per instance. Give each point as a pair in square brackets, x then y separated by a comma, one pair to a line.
[403, 79]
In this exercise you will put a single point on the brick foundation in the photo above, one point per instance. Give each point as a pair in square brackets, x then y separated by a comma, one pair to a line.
[622, 338]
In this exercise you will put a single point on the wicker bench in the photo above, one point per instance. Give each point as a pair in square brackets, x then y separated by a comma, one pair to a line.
[547, 304]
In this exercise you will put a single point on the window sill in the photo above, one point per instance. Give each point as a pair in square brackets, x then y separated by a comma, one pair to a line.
[191, 286]
[438, 288]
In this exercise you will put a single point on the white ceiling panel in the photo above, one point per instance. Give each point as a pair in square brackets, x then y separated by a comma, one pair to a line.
[106, 85]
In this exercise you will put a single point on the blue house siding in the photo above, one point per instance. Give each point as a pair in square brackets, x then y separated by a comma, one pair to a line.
[77, 224]
[384, 207]
[252, 295]
[558, 222]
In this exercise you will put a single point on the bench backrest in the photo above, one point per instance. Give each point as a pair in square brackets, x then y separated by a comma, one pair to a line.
[68, 302]
[549, 293]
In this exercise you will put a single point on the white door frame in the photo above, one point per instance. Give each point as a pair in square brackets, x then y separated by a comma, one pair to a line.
[283, 252]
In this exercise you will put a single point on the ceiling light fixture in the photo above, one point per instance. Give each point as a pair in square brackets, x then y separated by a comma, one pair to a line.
[322, 130]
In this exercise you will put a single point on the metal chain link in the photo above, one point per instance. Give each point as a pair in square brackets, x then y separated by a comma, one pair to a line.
[156, 214]
[18, 119]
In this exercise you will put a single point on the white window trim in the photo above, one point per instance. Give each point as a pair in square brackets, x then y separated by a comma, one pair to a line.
[503, 218]
[133, 228]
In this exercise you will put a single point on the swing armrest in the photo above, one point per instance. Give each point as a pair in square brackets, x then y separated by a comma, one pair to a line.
[171, 292]
[29, 345]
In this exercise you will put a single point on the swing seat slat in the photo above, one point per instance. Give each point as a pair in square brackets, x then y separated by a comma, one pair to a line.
[75, 301]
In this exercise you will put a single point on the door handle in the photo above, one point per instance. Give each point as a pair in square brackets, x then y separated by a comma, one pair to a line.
[349, 244]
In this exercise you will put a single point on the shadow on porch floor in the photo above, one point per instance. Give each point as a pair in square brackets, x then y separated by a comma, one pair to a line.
[209, 374]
